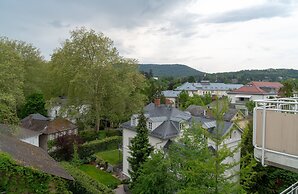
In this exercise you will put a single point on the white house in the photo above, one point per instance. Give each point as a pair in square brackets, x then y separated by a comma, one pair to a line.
[254, 91]
[205, 87]
[165, 122]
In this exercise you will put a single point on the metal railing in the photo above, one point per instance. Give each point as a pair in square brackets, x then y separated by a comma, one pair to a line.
[293, 189]
[284, 105]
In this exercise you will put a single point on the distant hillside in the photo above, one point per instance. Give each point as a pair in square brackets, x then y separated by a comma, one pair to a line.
[169, 70]
[246, 76]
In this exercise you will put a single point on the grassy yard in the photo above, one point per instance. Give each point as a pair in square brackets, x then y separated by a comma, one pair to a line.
[101, 176]
[110, 156]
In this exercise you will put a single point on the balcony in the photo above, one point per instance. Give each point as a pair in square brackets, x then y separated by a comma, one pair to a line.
[275, 132]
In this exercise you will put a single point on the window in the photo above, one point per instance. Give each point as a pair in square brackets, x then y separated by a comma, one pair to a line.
[181, 125]
[150, 125]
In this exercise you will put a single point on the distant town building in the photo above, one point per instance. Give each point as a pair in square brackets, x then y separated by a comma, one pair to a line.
[205, 87]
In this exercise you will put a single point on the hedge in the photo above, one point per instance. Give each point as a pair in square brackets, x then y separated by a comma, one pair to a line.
[89, 148]
[84, 183]
[90, 135]
[15, 178]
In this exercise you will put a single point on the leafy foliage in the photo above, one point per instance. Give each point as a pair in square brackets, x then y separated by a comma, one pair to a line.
[63, 145]
[35, 103]
[140, 148]
[90, 135]
[89, 70]
[84, 183]
[155, 176]
[89, 148]
[274, 180]
[189, 166]
[19, 179]
[185, 100]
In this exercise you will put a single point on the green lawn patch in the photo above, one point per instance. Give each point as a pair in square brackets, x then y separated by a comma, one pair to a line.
[110, 156]
[101, 176]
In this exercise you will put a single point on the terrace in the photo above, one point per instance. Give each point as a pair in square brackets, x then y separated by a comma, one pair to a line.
[275, 132]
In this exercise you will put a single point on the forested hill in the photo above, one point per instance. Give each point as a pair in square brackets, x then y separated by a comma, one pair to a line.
[169, 70]
[245, 76]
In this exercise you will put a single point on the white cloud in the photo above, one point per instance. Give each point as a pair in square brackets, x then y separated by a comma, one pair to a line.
[211, 35]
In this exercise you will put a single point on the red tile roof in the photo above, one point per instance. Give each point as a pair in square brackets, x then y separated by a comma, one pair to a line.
[276, 85]
[257, 88]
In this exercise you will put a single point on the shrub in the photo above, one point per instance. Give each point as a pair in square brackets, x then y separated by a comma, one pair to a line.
[64, 147]
[90, 135]
[84, 183]
[20, 179]
[89, 148]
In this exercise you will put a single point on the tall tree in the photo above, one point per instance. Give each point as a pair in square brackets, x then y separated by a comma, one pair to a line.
[11, 83]
[140, 148]
[89, 70]
[35, 103]
[274, 180]
[34, 66]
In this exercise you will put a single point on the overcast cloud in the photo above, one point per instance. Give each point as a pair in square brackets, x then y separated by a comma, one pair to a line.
[209, 35]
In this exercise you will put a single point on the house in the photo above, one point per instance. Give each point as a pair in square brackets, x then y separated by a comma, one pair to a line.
[47, 129]
[165, 124]
[59, 108]
[254, 91]
[205, 87]
[28, 155]
[172, 96]
[23, 134]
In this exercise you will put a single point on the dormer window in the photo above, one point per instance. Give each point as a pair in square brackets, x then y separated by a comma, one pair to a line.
[150, 125]
[181, 125]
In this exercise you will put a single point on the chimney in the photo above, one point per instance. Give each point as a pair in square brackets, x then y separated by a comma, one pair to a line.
[157, 102]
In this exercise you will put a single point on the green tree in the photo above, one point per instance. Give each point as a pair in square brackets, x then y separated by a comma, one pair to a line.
[155, 177]
[89, 70]
[11, 83]
[191, 166]
[182, 99]
[140, 148]
[274, 180]
[75, 156]
[33, 65]
[250, 105]
[35, 103]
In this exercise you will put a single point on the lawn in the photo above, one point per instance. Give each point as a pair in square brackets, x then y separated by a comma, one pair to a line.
[101, 176]
[110, 156]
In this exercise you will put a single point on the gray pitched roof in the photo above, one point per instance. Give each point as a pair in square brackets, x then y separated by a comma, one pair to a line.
[208, 86]
[19, 132]
[169, 116]
[196, 110]
[166, 130]
[210, 125]
[28, 155]
[171, 93]
[168, 112]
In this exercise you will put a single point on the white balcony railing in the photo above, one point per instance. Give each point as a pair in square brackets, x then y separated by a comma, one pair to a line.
[293, 189]
[275, 132]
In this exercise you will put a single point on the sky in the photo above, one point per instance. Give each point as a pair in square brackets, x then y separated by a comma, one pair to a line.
[208, 35]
